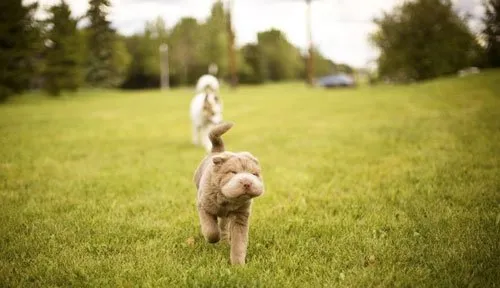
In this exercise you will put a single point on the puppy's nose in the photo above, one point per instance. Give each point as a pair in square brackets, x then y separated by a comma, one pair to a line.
[246, 184]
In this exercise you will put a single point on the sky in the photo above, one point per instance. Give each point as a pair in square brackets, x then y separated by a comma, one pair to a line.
[340, 27]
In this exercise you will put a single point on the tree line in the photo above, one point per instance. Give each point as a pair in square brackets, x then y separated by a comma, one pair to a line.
[417, 40]
[424, 39]
[56, 54]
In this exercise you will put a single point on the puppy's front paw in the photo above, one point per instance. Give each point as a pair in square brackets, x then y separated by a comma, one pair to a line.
[212, 236]
[237, 260]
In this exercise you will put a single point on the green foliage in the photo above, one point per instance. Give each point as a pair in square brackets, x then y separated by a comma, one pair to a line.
[343, 68]
[215, 42]
[185, 51]
[373, 187]
[259, 66]
[322, 65]
[492, 32]
[423, 39]
[144, 68]
[253, 71]
[19, 43]
[121, 61]
[138, 75]
[193, 46]
[155, 34]
[103, 61]
[279, 58]
[63, 54]
[104, 58]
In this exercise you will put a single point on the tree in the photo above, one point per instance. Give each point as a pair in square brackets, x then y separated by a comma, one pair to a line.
[492, 32]
[423, 39]
[185, 51]
[102, 69]
[343, 68]
[322, 65]
[63, 55]
[193, 46]
[275, 59]
[253, 71]
[155, 34]
[215, 39]
[279, 58]
[137, 75]
[144, 68]
[19, 41]
[120, 61]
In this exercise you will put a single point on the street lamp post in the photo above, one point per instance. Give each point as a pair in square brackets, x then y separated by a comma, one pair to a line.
[164, 78]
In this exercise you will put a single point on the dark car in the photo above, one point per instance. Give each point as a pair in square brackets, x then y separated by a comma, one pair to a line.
[336, 80]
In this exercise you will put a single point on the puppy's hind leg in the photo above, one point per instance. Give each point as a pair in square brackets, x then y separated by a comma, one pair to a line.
[209, 227]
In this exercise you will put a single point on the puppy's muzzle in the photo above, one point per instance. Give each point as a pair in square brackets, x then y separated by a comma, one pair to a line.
[243, 184]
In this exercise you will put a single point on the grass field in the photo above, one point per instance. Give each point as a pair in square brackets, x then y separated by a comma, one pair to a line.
[386, 186]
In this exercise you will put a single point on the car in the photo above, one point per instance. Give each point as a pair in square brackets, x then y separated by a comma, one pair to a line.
[336, 80]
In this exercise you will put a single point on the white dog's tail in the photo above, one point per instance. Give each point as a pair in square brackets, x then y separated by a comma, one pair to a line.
[215, 136]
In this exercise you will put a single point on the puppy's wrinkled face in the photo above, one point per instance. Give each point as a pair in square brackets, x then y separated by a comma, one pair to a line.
[238, 175]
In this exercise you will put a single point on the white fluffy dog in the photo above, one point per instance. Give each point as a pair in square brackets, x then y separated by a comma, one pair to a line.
[205, 110]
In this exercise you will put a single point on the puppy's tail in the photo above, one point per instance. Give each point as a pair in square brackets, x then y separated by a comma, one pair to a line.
[215, 136]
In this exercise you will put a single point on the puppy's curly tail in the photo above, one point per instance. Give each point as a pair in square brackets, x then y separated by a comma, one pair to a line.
[215, 136]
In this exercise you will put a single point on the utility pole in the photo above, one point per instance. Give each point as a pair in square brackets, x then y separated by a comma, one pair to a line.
[230, 42]
[310, 61]
[164, 78]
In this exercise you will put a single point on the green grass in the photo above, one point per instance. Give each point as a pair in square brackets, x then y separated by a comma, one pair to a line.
[387, 186]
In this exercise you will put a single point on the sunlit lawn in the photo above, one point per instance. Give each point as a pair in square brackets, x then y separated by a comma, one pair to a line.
[384, 186]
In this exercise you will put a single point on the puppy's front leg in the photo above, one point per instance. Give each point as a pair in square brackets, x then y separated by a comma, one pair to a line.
[239, 238]
[209, 227]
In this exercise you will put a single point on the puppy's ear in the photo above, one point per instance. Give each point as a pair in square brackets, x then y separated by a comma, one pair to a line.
[249, 156]
[220, 158]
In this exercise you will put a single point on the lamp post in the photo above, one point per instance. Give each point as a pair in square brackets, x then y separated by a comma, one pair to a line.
[164, 78]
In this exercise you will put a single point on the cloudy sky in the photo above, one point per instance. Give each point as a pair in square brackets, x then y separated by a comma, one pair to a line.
[340, 27]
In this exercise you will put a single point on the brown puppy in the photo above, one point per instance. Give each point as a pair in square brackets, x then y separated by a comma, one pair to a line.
[227, 182]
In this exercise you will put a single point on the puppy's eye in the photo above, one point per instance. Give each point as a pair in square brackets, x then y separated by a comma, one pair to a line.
[256, 174]
[233, 172]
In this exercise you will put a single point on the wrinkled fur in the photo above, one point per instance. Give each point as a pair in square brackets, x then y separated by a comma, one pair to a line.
[227, 182]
